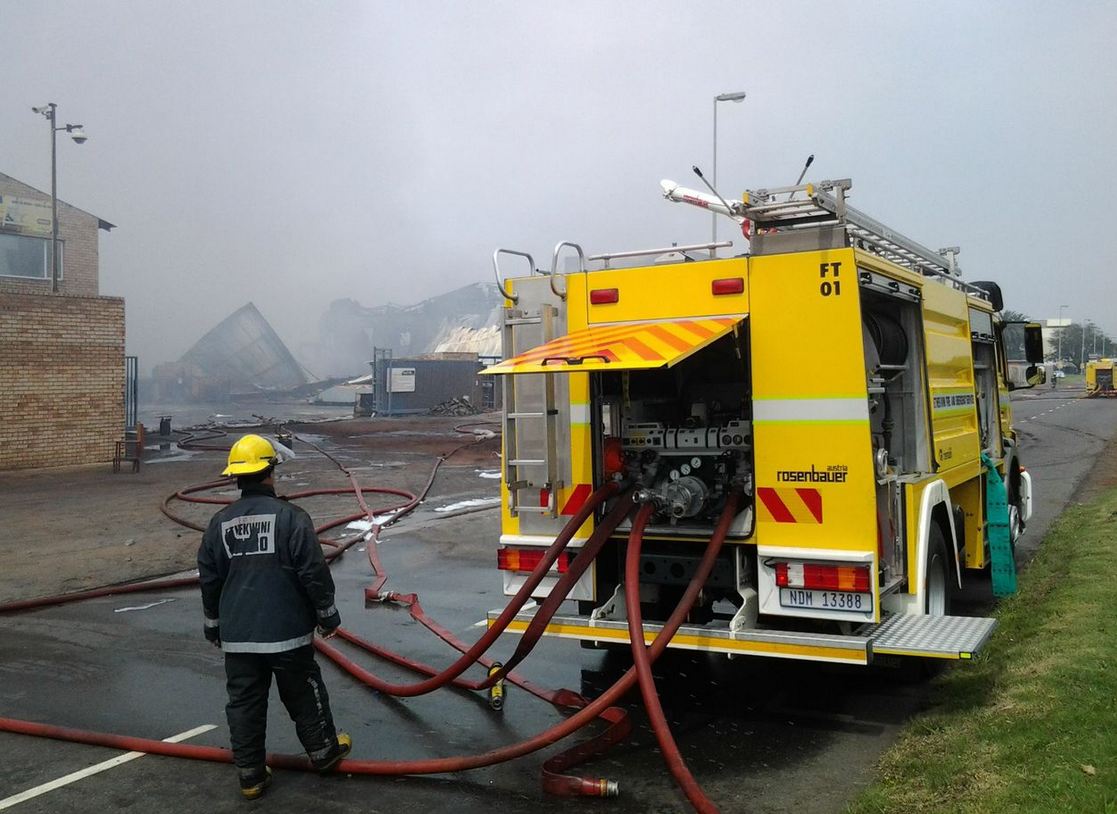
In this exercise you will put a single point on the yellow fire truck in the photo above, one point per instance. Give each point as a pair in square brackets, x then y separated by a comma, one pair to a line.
[1099, 378]
[868, 477]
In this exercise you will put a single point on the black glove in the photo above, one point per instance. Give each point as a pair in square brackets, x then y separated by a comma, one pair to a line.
[329, 620]
[213, 635]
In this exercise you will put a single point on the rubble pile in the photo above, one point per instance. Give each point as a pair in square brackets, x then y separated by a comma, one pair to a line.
[456, 407]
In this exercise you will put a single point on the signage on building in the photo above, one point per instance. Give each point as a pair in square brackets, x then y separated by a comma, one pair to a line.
[401, 380]
[25, 215]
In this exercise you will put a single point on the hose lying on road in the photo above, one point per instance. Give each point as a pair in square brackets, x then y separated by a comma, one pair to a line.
[558, 784]
[618, 724]
[515, 605]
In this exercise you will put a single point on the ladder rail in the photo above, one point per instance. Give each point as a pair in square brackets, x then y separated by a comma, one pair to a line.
[825, 202]
[514, 414]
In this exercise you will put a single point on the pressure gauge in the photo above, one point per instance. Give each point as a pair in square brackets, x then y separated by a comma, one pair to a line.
[695, 462]
[685, 469]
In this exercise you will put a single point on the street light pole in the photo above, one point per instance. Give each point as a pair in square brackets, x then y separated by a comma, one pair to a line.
[76, 132]
[1082, 355]
[1059, 352]
[721, 97]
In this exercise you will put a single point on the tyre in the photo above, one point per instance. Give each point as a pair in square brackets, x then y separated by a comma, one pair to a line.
[1016, 524]
[938, 594]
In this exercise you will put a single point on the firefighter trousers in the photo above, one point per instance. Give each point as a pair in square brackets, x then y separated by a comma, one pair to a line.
[302, 691]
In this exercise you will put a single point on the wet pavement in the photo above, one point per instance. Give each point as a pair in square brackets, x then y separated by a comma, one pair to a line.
[760, 735]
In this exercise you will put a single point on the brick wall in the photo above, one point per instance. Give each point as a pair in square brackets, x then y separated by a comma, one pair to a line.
[77, 231]
[61, 379]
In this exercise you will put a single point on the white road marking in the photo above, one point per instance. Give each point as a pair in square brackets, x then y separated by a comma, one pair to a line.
[81, 774]
[144, 607]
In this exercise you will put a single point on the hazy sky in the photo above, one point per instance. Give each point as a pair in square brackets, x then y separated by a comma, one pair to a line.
[292, 153]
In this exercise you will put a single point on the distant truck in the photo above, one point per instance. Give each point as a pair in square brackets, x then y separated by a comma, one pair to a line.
[1099, 378]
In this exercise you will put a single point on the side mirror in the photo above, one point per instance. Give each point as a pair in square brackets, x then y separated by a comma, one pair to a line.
[1022, 375]
[992, 293]
[1033, 347]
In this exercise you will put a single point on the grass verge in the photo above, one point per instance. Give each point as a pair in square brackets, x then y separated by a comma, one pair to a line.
[1031, 725]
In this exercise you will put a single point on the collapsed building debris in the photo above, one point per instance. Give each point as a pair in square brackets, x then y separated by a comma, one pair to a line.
[465, 320]
[455, 407]
[241, 355]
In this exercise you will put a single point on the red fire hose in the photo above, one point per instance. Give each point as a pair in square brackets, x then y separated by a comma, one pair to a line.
[618, 724]
[554, 781]
[643, 665]
[469, 658]
[550, 736]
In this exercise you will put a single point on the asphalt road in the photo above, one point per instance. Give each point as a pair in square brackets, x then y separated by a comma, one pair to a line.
[761, 736]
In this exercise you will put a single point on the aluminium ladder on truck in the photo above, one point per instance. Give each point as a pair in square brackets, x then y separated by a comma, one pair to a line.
[527, 404]
[825, 203]
[531, 414]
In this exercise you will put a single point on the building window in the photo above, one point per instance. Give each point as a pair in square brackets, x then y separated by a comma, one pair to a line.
[28, 257]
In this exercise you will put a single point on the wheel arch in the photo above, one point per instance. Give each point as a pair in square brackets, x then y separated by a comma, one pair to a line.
[934, 510]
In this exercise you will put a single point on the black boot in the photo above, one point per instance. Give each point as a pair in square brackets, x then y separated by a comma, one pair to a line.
[253, 782]
[328, 762]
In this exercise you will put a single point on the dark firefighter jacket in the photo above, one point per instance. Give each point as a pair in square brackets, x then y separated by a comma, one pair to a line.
[265, 583]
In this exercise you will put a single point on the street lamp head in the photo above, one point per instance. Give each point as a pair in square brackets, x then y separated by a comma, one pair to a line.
[730, 97]
[77, 133]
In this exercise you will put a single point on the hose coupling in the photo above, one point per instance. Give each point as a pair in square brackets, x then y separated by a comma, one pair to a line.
[496, 691]
[608, 788]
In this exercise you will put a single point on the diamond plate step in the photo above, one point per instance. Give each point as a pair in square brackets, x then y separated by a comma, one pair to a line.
[946, 637]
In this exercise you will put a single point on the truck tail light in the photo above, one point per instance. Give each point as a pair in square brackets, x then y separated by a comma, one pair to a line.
[823, 577]
[728, 285]
[525, 559]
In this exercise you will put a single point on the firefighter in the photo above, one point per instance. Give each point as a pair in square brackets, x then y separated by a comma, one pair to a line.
[265, 588]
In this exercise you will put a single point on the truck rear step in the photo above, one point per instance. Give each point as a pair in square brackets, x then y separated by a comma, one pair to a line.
[948, 637]
[943, 637]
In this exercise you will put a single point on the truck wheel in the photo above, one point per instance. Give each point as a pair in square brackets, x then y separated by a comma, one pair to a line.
[1015, 513]
[938, 598]
[939, 592]
[1015, 524]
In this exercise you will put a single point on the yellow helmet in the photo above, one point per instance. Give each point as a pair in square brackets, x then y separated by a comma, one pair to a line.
[251, 453]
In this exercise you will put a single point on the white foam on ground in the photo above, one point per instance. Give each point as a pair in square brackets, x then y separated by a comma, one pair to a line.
[185, 455]
[493, 474]
[469, 504]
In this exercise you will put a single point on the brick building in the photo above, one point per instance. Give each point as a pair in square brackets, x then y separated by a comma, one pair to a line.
[62, 368]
